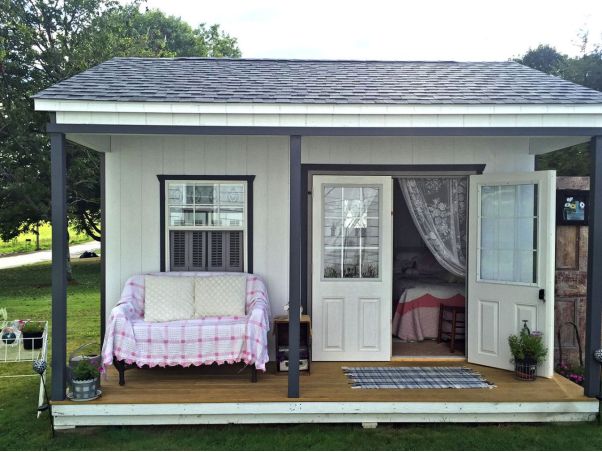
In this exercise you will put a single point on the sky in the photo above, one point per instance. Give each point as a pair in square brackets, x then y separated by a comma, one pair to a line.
[464, 30]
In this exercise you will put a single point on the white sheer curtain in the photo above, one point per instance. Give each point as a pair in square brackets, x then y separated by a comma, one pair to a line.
[438, 207]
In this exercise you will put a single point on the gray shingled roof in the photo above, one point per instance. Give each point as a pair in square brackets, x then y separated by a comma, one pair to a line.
[318, 82]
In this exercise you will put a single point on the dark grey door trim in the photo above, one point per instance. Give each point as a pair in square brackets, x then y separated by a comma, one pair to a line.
[247, 178]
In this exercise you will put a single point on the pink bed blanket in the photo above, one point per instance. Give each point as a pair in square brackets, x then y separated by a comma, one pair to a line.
[417, 314]
[192, 342]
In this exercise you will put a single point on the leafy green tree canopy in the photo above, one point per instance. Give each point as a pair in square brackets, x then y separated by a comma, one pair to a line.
[45, 41]
[586, 70]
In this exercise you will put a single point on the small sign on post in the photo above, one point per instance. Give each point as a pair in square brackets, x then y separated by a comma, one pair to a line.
[572, 207]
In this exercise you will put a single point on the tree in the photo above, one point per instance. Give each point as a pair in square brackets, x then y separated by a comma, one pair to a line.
[586, 70]
[45, 41]
[24, 170]
[545, 59]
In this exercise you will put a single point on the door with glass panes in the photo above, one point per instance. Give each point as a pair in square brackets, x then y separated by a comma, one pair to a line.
[510, 264]
[351, 268]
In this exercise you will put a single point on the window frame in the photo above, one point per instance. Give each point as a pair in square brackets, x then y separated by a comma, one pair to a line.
[537, 249]
[165, 228]
[380, 189]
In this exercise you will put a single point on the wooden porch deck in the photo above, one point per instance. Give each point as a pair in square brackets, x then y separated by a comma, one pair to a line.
[224, 394]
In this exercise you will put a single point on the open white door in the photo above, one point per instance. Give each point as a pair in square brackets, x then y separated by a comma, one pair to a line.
[351, 268]
[510, 261]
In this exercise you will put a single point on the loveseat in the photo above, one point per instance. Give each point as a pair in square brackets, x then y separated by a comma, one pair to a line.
[139, 335]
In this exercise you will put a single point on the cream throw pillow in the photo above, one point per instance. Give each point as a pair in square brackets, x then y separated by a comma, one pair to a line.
[168, 298]
[221, 295]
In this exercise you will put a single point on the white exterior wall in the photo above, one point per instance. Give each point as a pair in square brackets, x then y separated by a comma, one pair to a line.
[132, 200]
[498, 154]
[132, 187]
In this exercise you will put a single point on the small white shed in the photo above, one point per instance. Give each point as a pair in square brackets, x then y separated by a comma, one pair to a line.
[370, 193]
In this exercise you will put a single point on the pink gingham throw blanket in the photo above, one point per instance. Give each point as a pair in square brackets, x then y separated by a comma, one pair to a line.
[192, 342]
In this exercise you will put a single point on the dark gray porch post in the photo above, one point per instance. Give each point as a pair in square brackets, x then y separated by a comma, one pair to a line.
[103, 248]
[58, 174]
[594, 272]
[294, 301]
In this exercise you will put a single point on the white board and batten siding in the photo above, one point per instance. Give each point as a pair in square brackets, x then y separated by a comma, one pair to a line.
[132, 187]
[133, 199]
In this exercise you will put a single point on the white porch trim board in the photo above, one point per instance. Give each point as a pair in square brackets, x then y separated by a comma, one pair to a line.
[288, 108]
[331, 120]
[326, 115]
[69, 416]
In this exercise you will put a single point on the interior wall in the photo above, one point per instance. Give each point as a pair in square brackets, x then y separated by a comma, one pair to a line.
[405, 233]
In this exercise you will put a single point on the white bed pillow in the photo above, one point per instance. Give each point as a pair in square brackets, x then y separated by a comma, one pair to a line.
[220, 295]
[168, 298]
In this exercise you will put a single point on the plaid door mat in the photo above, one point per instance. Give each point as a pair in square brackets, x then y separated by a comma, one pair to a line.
[415, 378]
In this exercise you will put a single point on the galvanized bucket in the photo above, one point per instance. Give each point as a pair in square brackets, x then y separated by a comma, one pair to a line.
[84, 389]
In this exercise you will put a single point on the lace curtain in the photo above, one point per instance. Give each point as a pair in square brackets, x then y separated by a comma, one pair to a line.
[438, 208]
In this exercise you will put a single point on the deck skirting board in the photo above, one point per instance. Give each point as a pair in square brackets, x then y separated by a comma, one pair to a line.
[66, 415]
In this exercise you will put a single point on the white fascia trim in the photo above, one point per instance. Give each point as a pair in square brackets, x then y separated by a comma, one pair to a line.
[69, 416]
[283, 408]
[308, 109]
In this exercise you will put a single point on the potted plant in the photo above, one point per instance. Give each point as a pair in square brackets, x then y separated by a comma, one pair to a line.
[33, 333]
[84, 381]
[528, 350]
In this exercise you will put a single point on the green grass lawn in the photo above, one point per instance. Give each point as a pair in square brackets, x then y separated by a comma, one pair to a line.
[25, 292]
[21, 245]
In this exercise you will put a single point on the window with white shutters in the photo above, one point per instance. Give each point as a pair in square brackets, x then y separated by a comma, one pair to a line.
[206, 225]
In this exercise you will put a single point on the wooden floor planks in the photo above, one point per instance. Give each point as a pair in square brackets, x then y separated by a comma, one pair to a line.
[327, 383]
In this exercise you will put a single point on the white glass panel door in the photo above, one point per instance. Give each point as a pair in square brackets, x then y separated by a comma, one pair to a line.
[351, 242]
[351, 268]
[510, 259]
[508, 233]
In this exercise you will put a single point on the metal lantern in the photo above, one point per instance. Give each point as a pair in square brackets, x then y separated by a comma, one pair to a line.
[598, 355]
